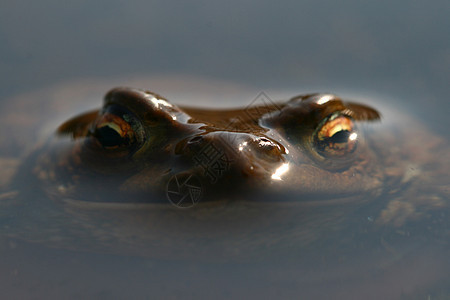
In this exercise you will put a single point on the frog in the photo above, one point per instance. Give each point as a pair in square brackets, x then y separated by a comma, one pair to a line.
[144, 176]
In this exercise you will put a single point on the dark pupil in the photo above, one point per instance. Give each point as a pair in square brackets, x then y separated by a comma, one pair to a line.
[340, 137]
[108, 137]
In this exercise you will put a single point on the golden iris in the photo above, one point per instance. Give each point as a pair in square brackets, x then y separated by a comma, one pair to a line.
[336, 137]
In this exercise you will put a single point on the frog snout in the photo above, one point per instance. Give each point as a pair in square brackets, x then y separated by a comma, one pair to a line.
[234, 145]
[245, 153]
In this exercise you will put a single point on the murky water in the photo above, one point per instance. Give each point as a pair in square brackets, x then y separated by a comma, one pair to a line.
[397, 54]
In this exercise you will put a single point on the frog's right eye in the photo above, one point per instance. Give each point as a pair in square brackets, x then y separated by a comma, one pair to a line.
[118, 130]
[336, 137]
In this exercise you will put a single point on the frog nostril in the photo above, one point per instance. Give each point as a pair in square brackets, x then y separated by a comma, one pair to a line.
[269, 150]
[189, 145]
[195, 140]
[265, 142]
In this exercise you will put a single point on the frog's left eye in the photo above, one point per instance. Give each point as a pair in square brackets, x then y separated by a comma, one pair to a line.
[113, 132]
[336, 137]
[118, 130]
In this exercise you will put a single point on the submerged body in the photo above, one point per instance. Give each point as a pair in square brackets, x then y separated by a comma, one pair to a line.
[273, 179]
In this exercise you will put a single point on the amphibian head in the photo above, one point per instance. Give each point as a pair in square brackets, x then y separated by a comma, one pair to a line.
[138, 145]
[272, 179]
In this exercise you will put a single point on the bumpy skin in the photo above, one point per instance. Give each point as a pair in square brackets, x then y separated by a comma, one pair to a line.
[274, 178]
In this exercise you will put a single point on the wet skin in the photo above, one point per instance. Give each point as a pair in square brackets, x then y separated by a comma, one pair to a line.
[132, 147]
[266, 179]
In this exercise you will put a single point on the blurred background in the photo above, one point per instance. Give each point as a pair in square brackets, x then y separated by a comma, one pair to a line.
[400, 49]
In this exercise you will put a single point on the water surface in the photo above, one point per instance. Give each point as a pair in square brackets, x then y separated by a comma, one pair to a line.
[398, 53]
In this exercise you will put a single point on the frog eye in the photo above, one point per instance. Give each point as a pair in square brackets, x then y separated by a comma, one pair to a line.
[113, 132]
[117, 129]
[336, 137]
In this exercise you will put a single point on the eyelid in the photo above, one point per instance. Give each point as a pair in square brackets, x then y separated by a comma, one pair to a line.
[361, 112]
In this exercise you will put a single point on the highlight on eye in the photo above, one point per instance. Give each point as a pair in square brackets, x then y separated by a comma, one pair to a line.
[336, 137]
